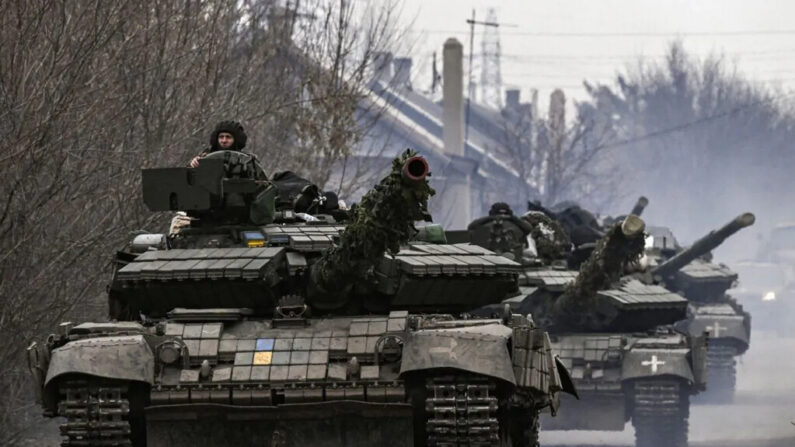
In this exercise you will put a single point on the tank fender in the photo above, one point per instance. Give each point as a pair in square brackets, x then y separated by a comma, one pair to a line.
[566, 382]
[698, 356]
[536, 367]
[470, 349]
[648, 362]
[126, 357]
[731, 327]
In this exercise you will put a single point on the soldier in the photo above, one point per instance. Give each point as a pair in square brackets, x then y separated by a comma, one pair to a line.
[501, 231]
[227, 136]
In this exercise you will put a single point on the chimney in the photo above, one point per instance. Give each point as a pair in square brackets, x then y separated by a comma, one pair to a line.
[453, 97]
[382, 66]
[512, 98]
[402, 72]
[458, 185]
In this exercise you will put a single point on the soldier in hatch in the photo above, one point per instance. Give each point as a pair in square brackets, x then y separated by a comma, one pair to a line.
[293, 192]
[501, 231]
[227, 136]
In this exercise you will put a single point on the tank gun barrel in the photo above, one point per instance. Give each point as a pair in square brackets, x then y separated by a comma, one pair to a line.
[415, 170]
[640, 205]
[380, 224]
[703, 245]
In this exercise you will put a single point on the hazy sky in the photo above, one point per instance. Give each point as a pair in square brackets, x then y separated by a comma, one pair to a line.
[558, 43]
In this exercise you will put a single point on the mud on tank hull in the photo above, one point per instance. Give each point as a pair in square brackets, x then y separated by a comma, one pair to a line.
[644, 379]
[377, 380]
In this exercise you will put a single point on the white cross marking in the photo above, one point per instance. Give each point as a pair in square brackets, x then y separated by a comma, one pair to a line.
[653, 363]
[715, 329]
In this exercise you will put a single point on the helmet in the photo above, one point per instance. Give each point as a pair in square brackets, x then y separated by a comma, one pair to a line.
[500, 209]
[232, 127]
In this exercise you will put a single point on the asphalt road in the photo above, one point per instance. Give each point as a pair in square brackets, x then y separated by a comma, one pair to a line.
[762, 414]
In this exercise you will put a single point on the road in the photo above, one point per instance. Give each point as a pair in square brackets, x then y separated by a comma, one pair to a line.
[762, 414]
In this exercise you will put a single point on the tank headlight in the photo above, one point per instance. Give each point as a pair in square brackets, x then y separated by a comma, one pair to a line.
[169, 353]
[769, 296]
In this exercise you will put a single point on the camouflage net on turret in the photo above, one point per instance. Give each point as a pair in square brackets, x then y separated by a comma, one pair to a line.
[381, 223]
[551, 241]
[613, 253]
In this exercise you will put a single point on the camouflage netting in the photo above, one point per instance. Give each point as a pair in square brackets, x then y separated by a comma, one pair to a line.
[550, 238]
[613, 253]
[381, 223]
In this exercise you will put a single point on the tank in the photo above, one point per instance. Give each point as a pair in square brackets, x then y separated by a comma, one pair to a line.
[264, 321]
[616, 336]
[711, 309]
[767, 280]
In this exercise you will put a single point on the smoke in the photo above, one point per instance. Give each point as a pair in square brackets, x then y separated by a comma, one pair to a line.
[703, 144]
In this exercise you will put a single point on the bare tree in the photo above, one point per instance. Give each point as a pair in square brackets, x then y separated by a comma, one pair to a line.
[556, 159]
[699, 139]
[93, 90]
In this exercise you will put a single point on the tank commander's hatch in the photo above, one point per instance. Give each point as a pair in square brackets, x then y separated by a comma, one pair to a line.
[185, 189]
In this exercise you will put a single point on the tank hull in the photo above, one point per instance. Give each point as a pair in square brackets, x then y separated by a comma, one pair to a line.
[729, 336]
[394, 380]
[636, 378]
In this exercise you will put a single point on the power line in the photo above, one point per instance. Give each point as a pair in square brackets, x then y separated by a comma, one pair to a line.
[607, 58]
[770, 55]
[537, 75]
[626, 33]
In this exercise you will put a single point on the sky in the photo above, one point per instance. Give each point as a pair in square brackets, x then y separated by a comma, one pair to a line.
[549, 44]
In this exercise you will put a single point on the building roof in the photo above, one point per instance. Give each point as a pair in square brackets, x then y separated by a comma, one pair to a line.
[419, 119]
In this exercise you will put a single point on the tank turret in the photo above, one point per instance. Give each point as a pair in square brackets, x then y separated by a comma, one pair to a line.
[702, 246]
[599, 297]
[231, 215]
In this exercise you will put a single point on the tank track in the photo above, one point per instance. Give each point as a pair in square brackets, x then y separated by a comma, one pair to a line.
[97, 414]
[462, 411]
[525, 426]
[721, 372]
[659, 414]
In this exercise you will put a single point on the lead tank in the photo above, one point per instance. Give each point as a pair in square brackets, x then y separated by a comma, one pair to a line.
[691, 273]
[614, 333]
[253, 323]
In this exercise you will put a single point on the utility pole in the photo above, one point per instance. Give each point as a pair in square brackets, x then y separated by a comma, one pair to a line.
[436, 78]
[470, 89]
